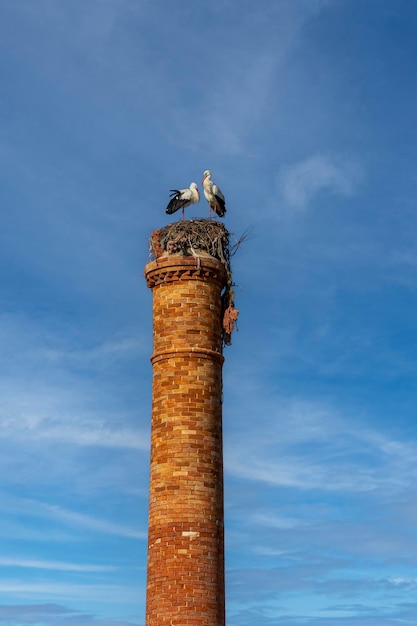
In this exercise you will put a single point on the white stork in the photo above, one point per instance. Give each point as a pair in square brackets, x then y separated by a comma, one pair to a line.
[181, 198]
[213, 195]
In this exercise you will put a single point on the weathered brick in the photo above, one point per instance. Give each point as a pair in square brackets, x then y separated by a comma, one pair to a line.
[185, 585]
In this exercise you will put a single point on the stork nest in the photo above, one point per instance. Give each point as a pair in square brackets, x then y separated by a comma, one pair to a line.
[200, 237]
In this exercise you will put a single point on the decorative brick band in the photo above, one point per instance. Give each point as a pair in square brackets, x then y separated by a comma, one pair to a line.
[190, 352]
[174, 267]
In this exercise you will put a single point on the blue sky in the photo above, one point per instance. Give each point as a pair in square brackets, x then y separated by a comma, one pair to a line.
[305, 112]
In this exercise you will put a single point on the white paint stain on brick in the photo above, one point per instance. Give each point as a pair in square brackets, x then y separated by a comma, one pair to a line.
[190, 533]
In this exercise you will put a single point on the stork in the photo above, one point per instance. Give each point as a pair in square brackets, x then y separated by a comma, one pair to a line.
[213, 195]
[182, 198]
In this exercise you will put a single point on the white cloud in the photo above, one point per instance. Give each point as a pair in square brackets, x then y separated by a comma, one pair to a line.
[229, 120]
[235, 98]
[60, 566]
[309, 445]
[93, 523]
[302, 182]
[56, 387]
[38, 589]
[52, 614]
[273, 520]
[81, 431]
[70, 518]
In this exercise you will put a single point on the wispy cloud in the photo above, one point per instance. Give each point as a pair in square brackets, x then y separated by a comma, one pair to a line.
[319, 174]
[233, 110]
[54, 614]
[80, 431]
[55, 512]
[32, 409]
[234, 100]
[314, 451]
[67, 590]
[58, 566]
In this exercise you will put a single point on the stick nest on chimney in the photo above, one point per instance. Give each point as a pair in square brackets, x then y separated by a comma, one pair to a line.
[198, 238]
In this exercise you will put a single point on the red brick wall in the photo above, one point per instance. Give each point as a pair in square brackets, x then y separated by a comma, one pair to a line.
[185, 551]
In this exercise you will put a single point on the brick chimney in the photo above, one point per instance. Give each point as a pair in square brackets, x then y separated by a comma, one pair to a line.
[185, 583]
